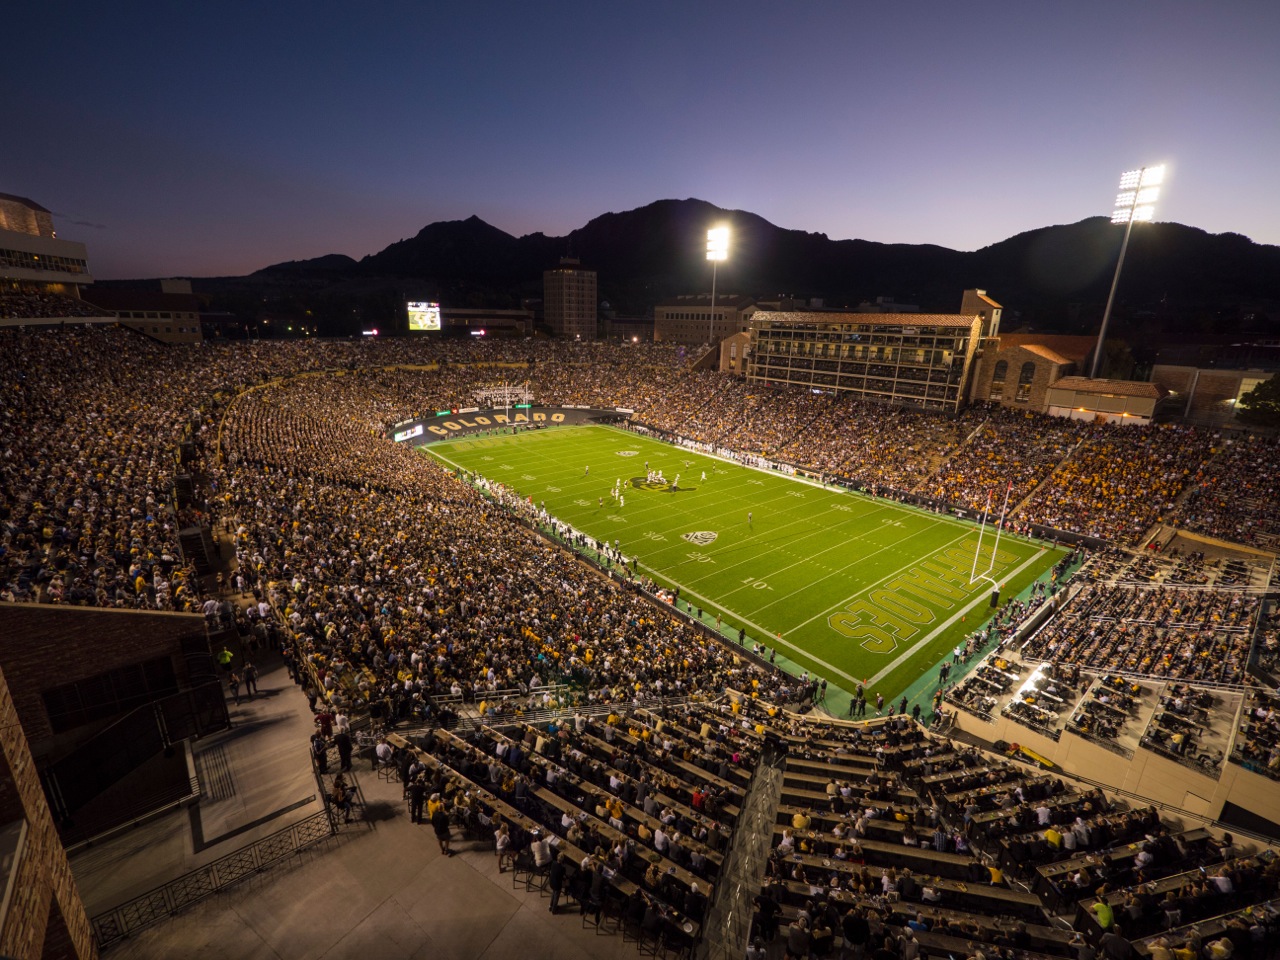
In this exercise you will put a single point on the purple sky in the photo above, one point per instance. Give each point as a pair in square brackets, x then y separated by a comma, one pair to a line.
[204, 139]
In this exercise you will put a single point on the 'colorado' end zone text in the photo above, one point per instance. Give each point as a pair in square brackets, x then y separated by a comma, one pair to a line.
[892, 612]
[453, 426]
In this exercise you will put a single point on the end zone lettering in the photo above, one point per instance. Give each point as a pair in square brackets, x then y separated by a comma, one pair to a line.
[892, 612]
[453, 426]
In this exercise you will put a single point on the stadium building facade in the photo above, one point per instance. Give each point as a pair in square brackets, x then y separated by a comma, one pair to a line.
[170, 314]
[41, 913]
[922, 360]
[691, 319]
[33, 261]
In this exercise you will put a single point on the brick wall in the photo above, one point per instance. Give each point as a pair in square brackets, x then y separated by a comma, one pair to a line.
[1046, 372]
[44, 646]
[20, 218]
[1174, 379]
[45, 894]
[1212, 392]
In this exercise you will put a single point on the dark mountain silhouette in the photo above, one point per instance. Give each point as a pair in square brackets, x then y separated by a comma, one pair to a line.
[329, 263]
[1056, 278]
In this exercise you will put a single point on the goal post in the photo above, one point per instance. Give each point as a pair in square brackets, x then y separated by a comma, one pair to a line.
[974, 575]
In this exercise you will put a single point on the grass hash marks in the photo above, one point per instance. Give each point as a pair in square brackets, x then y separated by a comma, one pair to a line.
[849, 586]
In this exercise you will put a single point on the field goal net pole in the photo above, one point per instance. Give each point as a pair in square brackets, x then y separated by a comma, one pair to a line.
[974, 576]
[503, 394]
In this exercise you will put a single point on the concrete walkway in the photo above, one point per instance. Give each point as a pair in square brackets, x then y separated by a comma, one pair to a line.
[254, 779]
[380, 889]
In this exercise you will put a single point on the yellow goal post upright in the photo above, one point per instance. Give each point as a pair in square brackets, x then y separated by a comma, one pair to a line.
[974, 575]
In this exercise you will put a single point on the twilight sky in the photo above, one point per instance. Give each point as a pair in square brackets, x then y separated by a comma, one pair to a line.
[204, 139]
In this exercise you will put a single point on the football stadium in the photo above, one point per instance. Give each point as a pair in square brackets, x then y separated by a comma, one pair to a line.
[485, 647]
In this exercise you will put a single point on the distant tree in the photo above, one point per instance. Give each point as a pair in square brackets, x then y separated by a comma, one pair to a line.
[1260, 407]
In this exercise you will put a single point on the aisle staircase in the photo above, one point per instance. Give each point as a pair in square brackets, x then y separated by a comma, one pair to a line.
[198, 550]
[1048, 479]
[939, 460]
[728, 922]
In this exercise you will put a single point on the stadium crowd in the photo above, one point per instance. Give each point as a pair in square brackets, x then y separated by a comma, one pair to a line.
[1259, 743]
[20, 304]
[1122, 480]
[1237, 496]
[1011, 451]
[86, 489]
[1182, 634]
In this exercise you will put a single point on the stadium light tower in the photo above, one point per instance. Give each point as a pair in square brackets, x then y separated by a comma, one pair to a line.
[717, 250]
[1139, 190]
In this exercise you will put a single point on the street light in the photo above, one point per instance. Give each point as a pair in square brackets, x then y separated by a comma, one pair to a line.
[1139, 190]
[717, 250]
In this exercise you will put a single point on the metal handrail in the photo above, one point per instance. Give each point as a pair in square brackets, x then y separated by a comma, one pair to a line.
[123, 921]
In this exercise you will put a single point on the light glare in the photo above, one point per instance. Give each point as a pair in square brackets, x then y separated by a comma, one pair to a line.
[1139, 190]
[1153, 176]
[718, 243]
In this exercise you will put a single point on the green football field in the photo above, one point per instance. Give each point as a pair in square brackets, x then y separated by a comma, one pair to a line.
[851, 587]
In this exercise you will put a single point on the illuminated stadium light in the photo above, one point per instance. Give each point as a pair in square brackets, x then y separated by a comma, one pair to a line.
[717, 250]
[1139, 191]
[718, 243]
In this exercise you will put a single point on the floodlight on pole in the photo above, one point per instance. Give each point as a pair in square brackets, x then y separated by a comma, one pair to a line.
[717, 250]
[1139, 190]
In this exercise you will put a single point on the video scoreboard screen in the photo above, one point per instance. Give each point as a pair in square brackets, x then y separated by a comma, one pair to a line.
[424, 316]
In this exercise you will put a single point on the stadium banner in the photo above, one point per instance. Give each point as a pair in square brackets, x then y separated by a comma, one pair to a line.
[451, 424]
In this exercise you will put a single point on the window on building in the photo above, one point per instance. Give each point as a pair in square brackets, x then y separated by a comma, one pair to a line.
[1024, 382]
[997, 380]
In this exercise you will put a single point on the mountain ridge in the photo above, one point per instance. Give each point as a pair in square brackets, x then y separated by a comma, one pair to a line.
[1056, 276]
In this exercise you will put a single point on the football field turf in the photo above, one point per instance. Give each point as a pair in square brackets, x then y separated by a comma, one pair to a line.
[849, 586]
